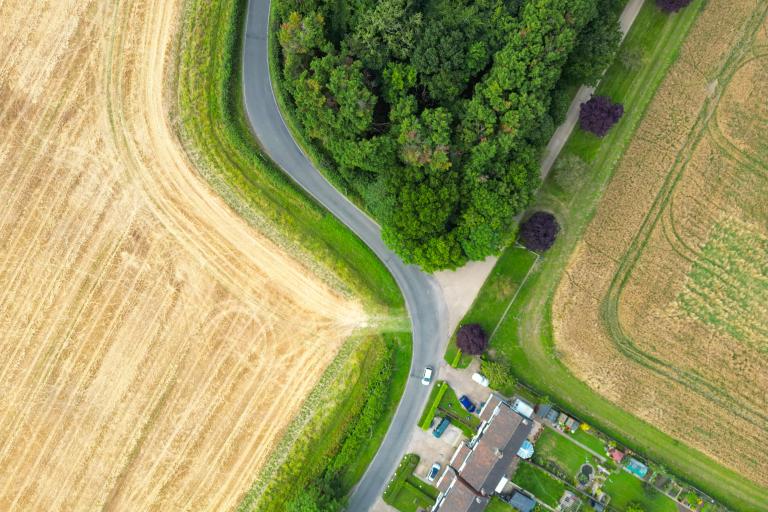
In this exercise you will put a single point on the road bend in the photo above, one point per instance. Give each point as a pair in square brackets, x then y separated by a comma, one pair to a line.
[423, 296]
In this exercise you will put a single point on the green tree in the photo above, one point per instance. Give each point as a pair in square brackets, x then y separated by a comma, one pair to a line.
[499, 373]
[388, 31]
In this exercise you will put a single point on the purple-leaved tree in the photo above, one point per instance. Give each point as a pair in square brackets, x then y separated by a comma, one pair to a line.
[672, 5]
[598, 115]
[471, 339]
[538, 233]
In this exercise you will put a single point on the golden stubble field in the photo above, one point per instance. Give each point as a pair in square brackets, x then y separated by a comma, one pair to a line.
[153, 346]
[665, 306]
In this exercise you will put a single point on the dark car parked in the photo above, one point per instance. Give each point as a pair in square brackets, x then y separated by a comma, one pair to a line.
[467, 403]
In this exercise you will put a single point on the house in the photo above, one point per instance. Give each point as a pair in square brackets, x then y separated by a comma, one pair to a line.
[616, 455]
[562, 418]
[478, 467]
[522, 502]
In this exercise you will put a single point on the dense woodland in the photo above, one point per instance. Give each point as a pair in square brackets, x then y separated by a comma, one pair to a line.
[434, 112]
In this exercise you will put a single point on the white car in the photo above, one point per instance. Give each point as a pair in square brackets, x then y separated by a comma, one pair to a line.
[480, 379]
[433, 472]
[427, 377]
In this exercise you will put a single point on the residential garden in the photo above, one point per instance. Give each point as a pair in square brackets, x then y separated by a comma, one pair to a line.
[405, 491]
[444, 403]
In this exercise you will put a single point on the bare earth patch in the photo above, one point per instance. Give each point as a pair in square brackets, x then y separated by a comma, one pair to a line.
[664, 308]
[153, 346]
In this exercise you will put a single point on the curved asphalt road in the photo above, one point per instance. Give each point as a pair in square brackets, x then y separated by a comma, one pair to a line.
[423, 296]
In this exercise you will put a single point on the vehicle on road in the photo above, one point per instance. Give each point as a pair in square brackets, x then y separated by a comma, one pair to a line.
[440, 428]
[427, 377]
[481, 379]
[467, 403]
[433, 472]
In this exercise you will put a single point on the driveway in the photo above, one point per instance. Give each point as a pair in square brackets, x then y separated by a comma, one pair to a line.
[461, 382]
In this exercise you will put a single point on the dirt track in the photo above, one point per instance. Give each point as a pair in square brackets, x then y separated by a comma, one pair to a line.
[153, 346]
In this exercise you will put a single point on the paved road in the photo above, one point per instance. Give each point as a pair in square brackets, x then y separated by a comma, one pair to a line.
[423, 296]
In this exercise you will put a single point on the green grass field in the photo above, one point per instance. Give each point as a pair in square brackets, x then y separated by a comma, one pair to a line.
[539, 483]
[589, 440]
[495, 296]
[525, 337]
[625, 489]
[212, 125]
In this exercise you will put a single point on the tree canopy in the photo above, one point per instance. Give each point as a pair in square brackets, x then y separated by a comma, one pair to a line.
[434, 112]
[471, 339]
[599, 114]
[672, 5]
[539, 231]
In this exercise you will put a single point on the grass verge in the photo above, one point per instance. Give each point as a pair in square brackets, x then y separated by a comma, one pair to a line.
[496, 295]
[340, 416]
[525, 336]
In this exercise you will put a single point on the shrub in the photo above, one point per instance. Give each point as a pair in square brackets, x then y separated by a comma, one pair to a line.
[499, 373]
[672, 5]
[599, 114]
[471, 339]
[538, 233]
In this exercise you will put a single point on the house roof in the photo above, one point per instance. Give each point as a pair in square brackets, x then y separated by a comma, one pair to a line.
[495, 449]
[522, 502]
[617, 455]
[461, 498]
[490, 405]
[474, 473]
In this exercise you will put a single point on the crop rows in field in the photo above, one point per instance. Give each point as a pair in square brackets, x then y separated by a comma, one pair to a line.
[664, 307]
[150, 354]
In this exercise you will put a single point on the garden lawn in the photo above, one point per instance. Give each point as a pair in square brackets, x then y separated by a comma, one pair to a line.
[495, 296]
[625, 488]
[407, 493]
[539, 483]
[588, 440]
[525, 336]
[497, 505]
[567, 455]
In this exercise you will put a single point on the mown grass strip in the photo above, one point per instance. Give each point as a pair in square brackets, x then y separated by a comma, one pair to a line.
[495, 297]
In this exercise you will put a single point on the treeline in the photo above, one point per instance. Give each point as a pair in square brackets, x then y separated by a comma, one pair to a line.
[434, 112]
[327, 491]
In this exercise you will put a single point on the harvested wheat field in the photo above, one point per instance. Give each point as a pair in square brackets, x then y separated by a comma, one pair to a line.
[665, 308]
[153, 345]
